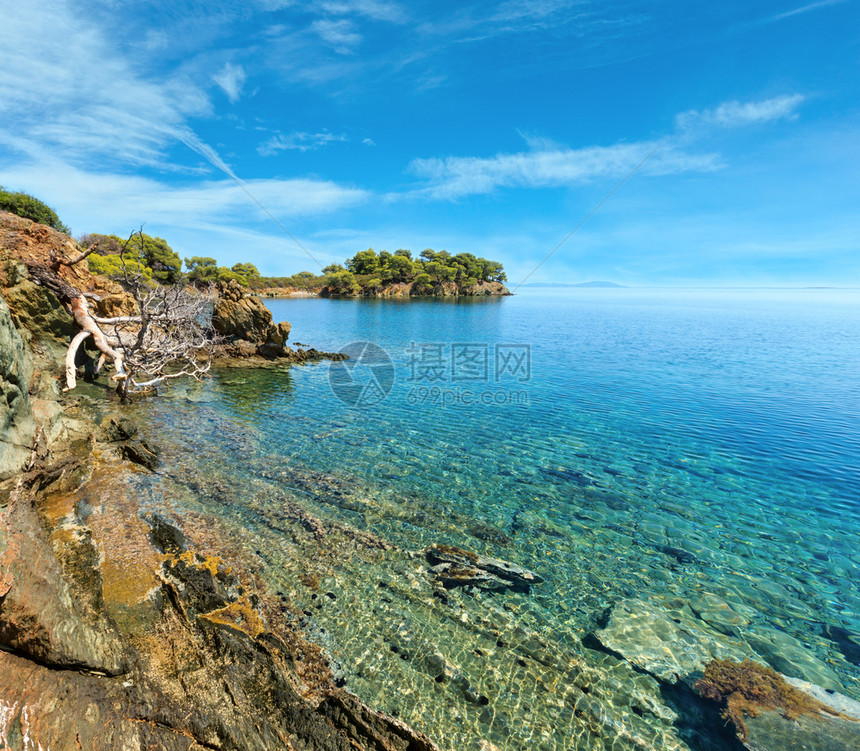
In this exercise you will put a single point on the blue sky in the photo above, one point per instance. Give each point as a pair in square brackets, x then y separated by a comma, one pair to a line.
[489, 127]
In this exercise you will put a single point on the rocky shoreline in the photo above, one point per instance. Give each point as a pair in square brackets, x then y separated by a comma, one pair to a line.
[403, 290]
[124, 629]
[142, 623]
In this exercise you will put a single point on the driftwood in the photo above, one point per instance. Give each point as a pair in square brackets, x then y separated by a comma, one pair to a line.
[168, 338]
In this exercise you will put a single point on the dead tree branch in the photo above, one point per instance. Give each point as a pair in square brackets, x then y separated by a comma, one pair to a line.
[168, 338]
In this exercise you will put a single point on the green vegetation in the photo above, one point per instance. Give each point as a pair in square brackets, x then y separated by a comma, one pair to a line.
[23, 204]
[112, 266]
[151, 256]
[368, 271]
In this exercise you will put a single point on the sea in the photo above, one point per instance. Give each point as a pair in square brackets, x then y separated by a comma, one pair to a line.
[685, 452]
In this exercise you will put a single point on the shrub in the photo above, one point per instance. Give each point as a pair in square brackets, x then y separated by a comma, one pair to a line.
[30, 207]
[112, 266]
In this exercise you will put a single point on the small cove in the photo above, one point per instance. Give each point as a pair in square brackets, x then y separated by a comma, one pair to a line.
[692, 449]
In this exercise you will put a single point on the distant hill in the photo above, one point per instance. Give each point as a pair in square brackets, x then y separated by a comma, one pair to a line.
[581, 284]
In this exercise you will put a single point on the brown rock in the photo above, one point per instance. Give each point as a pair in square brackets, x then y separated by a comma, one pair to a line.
[40, 614]
[240, 317]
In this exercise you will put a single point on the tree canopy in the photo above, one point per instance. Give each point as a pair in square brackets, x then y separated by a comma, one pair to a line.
[368, 270]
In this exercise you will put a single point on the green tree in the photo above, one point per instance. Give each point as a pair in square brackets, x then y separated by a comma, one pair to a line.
[111, 266]
[401, 267]
[341, 282]
[440, 272]
[202, 269]
[248, 270]
[371, 286]
[364, 262]
[158, 255]
[23, 204]
[492, 271]
[423, 282]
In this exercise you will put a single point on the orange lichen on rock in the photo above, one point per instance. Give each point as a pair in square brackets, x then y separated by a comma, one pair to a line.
[210, 563]
[747, 688]
[238, 616]
[55, 507]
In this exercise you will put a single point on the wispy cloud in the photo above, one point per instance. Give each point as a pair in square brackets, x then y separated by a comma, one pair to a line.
[459, 176]
[85, 105]
[734, 113]
[133, 200]
[298, 142]
[806, 9]
[231, 78]
[378, 10]
[340, 34]
[547, 164]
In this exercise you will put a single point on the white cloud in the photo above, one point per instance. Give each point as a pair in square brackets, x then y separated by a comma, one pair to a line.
[547, 164]
[341, 35]
[298, 142]
[378, 10]
[231, 78]
[806, 9]
[83, 99]
[368, 142]
[459, 176]
[91, 200]
[733, 114]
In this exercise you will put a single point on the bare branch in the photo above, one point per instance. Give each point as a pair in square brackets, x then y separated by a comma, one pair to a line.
[78, 258]
[71, 355]
[169, 337]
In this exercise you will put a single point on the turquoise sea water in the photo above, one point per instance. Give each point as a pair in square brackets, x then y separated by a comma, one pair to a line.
[667, 446]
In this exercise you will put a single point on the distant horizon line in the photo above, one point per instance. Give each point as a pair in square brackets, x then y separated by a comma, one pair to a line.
[613, 285]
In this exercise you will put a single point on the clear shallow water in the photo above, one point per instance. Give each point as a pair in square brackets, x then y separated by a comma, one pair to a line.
[718, 423]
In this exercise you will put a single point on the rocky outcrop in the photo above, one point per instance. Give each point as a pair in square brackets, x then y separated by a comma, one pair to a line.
[117, 632]
[116, 629]
[17, 426]
[247, 325]
[250, 333]
[438, 289]
[486, 289]
[238, 316]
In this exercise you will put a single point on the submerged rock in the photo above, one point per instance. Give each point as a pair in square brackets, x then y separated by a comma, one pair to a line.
[455, 568]
[670, 645]
[771, 713]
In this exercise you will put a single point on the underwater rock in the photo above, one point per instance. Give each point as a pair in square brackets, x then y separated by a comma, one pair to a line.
[118, 428]
[454, 567]
[140, 452]
[788, 655]
[671, 645]
[772, 713]
[847, 642]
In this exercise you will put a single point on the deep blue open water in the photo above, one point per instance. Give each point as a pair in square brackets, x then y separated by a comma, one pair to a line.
[581, 433]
